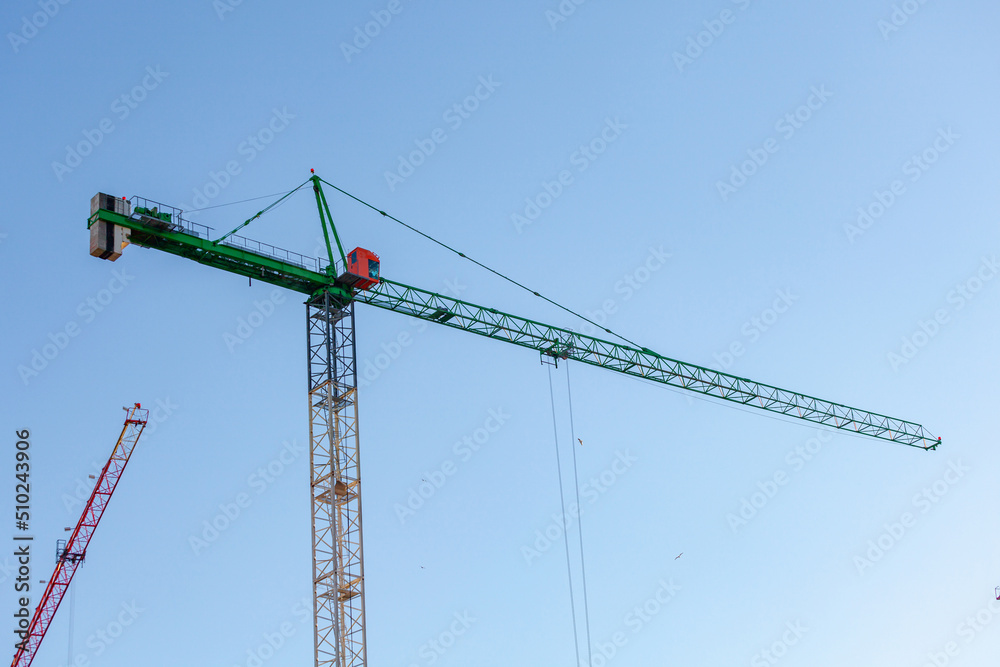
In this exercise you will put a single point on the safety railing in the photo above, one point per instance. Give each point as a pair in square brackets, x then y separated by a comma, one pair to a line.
[168, 218]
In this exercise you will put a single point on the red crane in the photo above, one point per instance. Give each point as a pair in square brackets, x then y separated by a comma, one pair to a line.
[70, 553]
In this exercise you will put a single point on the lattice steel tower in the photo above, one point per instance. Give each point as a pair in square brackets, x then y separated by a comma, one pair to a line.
[338, 566]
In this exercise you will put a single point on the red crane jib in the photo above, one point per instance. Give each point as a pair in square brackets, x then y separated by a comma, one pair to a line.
[72, 554]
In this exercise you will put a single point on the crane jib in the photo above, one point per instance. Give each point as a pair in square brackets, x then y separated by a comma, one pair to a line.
[71, 553]
[642, 363]
[161, 227]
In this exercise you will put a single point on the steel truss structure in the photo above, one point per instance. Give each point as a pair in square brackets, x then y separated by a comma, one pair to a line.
[282, 268]
[338, 566]
[641, 363]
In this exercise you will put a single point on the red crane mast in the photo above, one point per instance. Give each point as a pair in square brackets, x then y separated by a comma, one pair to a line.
[70, 553]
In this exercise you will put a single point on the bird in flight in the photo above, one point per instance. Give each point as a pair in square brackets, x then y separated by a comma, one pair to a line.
[580, 441]
[679, 555]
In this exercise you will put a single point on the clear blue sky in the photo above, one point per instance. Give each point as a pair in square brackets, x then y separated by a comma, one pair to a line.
[836, 162]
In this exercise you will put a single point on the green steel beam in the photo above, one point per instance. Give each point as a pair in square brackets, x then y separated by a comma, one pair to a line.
[328, 221]
[641, 363]
[177, 240]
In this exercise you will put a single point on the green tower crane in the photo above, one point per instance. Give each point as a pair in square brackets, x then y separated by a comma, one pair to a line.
[331, 289]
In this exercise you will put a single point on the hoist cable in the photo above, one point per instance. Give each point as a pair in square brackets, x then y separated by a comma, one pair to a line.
[72, 616]
[562, 501]
[576, 479]
[233, 203]
[261, 212]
